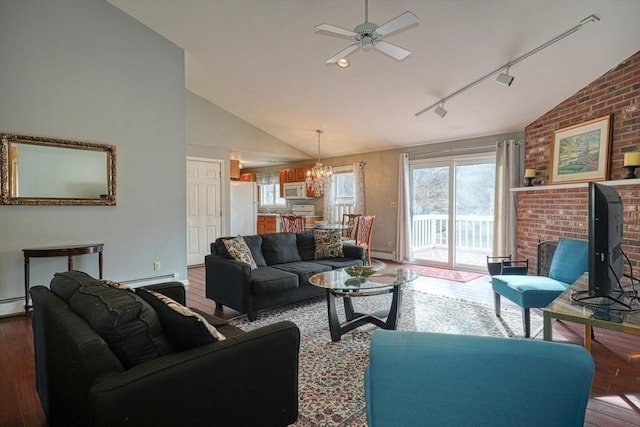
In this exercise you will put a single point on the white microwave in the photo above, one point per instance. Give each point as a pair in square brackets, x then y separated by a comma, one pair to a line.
[295, 190]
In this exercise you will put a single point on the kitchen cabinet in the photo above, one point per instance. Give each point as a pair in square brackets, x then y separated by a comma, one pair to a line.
[247, 177]
[295, 175]
[267, 224]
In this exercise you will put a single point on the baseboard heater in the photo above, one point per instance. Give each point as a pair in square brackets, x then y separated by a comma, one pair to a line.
[145, 281]
[389, 255]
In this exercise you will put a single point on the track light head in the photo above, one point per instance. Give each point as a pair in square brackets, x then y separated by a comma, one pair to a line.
[504, 79]
[440, 111]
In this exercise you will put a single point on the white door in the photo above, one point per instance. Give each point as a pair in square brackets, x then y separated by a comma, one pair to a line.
[204, 215]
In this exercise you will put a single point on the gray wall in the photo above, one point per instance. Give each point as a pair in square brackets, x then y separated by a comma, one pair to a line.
[84, 70]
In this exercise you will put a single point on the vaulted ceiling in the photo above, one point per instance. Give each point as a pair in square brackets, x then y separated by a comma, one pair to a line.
[263, 61]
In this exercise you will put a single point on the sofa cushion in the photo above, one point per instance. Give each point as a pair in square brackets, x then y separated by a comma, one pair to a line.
[239, 251]
[328, 244]
[127, 323]
[185, 328]
[306, 245]
[570, 260]
[255, 246]
[304, 269]
[280, 248]
[269, 280]
[335, 263]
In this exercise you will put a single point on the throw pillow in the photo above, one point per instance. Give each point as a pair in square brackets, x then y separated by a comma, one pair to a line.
[239, 251]
[129, 326]
[328, 244]
[185, 328]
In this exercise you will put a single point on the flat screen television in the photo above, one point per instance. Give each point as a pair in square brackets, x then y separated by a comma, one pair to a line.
[606, 262]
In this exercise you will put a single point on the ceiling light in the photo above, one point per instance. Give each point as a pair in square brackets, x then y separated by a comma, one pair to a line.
[342, 62]
[319, 177]
[440, 111]
[504, 78]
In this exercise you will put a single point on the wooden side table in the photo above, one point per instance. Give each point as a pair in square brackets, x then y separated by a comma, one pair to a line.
[58, 251]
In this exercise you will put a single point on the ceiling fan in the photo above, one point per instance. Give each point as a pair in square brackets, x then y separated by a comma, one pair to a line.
[368, 35]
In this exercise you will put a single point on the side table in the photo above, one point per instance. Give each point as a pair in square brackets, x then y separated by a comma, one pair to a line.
[58, 251]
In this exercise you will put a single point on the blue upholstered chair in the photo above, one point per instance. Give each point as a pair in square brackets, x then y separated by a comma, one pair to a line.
[419, 379]
[569, 262]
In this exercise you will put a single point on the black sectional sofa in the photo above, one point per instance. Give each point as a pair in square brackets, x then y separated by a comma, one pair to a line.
[285, 261]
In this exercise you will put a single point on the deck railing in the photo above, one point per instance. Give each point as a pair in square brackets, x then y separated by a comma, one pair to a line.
[473, 232]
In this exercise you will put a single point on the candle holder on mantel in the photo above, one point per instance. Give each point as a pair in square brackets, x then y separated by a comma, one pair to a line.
[529, 176]
[631, 162]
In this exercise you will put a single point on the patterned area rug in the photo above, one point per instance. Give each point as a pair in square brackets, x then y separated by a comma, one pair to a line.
[443, 273]
[331, 375]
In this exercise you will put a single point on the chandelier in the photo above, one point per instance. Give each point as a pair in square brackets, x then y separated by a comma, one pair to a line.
[319, 177]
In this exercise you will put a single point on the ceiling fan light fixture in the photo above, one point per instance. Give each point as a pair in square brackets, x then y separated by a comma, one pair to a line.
[343, 63]
[440, 111]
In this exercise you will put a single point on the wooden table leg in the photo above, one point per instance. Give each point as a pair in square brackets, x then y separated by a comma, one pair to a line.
[26, 286]
[587, 337]
[547, 334]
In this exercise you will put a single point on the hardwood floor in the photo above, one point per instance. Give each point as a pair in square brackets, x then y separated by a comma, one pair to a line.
[615, 394]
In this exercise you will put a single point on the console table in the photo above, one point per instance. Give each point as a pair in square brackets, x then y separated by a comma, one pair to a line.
[58, 251]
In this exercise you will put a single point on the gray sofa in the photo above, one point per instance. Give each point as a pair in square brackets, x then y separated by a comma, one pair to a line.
[86, 378]
[285, 261]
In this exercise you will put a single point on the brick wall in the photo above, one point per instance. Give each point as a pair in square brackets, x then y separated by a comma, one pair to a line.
[554, 213]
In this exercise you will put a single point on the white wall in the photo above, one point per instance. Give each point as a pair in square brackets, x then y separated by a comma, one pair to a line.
[77, 69]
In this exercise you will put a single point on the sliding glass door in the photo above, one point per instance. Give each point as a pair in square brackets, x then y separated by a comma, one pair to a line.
[452, 212]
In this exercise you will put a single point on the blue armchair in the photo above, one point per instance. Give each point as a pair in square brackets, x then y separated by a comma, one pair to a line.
[569, 262]
[419, 378]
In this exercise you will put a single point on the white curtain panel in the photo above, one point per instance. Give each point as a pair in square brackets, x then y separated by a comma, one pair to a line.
[403, 232]
[329, 205]
[358, 174]
[508, 175]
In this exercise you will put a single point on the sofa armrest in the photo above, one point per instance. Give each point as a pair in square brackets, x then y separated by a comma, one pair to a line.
[352, 251]
[173, 290]
[256, 370]
[228, 281]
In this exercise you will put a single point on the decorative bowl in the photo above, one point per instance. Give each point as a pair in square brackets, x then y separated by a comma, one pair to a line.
[360, 271]
[320, 223]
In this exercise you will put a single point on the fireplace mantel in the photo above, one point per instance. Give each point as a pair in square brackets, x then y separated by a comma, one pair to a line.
[635, 181]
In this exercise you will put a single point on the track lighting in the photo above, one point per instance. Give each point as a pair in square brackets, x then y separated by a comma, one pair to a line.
[504, 78]
[440, 110]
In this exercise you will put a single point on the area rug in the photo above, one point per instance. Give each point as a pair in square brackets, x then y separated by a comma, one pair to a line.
[443, 273]
[331, 375]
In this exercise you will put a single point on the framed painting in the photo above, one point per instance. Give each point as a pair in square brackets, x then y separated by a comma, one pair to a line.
[580, 153]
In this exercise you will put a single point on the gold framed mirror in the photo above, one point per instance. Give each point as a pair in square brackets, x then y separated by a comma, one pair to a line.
[47, 171]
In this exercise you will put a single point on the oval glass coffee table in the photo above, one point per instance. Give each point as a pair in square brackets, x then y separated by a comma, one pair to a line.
[339, 284]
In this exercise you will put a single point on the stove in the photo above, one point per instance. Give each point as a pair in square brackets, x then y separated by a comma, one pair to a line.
[304, 210]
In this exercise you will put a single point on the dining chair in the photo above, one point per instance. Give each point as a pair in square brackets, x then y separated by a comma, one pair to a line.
[364, 232]
[293, 223]
[351, 222]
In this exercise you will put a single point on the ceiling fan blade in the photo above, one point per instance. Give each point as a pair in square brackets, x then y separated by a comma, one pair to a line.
[399, 22]
[335, 30]
[343, 53]
[392, 50]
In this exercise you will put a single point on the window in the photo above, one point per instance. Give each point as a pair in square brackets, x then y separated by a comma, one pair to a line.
[269, 190]
[270, 195]
[343, 186]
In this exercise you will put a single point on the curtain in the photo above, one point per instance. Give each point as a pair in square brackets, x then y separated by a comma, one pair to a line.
[329, 204]
[508, 173]
[358, 174]
[403, 230]
[267, 178]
